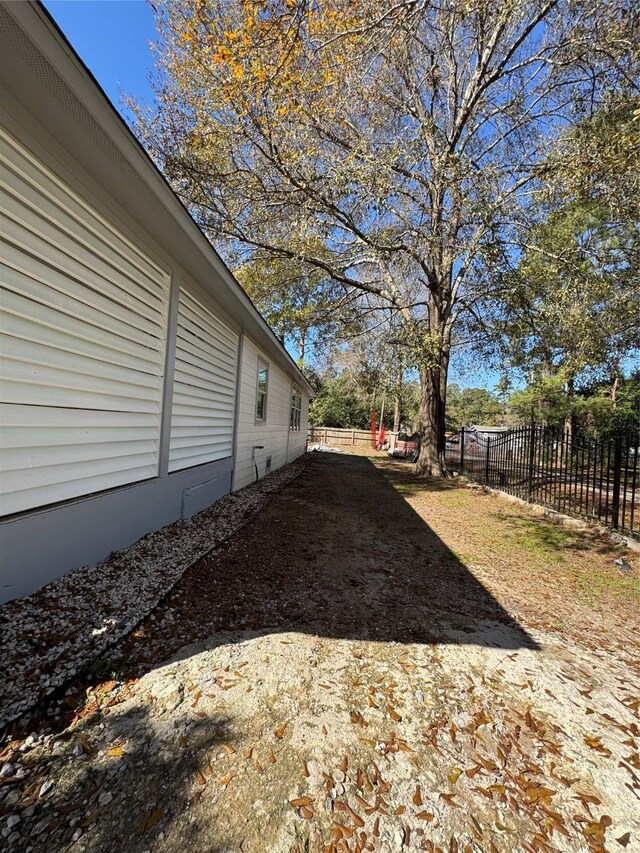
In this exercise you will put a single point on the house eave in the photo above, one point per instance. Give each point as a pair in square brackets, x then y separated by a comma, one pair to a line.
[169, 224]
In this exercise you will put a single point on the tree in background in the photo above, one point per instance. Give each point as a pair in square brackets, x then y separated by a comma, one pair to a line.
[543, 401]
[301, 305]
[597, 161]
[340, 403]
[472, 407]
[369, 367]
[602, 410]
[596, 410]
[571, 307]
[568, 319]
[389, 147]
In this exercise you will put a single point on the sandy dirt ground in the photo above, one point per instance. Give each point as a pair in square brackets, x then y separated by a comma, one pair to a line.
[372, 663]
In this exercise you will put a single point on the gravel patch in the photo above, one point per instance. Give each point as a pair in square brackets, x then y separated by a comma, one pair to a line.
[46, 637]
[289, 742]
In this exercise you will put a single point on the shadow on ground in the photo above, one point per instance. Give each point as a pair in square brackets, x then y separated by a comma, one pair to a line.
[339, 554]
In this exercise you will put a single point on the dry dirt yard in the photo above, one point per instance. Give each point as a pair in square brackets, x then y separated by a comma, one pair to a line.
[372, 663]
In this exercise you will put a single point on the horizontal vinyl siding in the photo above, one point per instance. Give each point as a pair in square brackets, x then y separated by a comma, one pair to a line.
[82, 323]
[274, 433]
[204, 384]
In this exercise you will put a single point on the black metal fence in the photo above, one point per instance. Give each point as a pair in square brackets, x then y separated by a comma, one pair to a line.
[591, 479]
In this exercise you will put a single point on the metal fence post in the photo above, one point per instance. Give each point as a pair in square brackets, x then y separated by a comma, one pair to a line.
[532, 457]
[617, 468]
[486, 467]
[462, 450]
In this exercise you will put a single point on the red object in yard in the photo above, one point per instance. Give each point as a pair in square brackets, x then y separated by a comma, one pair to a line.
[382, 436]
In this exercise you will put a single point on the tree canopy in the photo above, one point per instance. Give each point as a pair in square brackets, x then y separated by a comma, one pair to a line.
[391, 148]
[571, 307]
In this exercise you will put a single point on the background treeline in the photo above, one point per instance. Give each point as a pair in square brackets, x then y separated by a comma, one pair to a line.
[346, 398]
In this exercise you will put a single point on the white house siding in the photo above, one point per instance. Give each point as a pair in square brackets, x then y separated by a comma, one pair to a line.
[83, 322]
[204, 387]
[120, 410]
[298, 438]
[274, 434]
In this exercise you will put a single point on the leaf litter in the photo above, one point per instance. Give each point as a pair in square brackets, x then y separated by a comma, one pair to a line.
[469, 760]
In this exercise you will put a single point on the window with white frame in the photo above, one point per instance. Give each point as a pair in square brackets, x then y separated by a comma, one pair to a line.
[262, 389]
[296, 409]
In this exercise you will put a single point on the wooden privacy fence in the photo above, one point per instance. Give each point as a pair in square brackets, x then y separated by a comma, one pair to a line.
[344, 437]
[595, 479]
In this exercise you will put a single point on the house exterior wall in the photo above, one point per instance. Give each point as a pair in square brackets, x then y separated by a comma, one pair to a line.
[204, 383]
[83, 342]
[273, 436]
[38, 547]
[121, 329]
[86, 332]
[298, 438]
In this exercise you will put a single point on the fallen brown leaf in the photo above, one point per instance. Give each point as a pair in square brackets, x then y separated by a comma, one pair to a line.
[301, 801]
[148, 820]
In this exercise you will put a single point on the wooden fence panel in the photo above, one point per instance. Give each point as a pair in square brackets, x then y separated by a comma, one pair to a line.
[336, 437]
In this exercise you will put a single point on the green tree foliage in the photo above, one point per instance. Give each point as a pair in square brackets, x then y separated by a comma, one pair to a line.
[570, 309]
[595, 410]
[300, 304]
[603, 409]
[569, 314]
[597, 161]
[472, 407]
[340, 403]
[543, 401]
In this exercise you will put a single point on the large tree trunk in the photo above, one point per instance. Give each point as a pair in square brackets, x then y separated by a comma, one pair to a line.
[431, 461]
[433, 391]
[433, 394]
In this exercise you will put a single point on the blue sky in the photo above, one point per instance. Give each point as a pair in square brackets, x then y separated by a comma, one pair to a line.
[112, 38]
